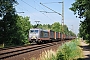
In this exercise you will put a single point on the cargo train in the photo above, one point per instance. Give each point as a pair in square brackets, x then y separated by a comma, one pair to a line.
[39, 35]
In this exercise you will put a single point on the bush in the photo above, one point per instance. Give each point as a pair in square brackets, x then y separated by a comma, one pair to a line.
[69, 51]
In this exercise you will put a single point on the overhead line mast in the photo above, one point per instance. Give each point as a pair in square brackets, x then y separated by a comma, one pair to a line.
[63, 18]
[57, 13]
[62, 12]
[37, 23]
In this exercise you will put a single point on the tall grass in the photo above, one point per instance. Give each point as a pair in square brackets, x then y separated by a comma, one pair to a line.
[1, 45]
[68, 51]
[48, 55]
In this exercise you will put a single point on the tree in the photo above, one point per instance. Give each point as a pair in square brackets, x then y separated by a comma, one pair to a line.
[44, 26]
[56, 27]
[23, 25]
[7, 13]
[13, 28]
[7, 6]
[65, 29]
[82, 8]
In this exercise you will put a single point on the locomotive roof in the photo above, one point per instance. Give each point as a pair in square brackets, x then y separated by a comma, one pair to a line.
[38, 29]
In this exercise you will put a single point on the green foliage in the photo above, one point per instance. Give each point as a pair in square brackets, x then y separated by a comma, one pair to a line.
[71, 33]
[56, 27]
[82, 8]
[13, 28]
[7, 6]
[7, 13]
[9, 28]
[44, 26]
[17, 32]
[65, 29]
[69, 51]
[84, 30]
[23, 25]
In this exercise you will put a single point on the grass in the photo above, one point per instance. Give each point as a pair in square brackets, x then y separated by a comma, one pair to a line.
[48, 55]
[1, 45]
[68, 51]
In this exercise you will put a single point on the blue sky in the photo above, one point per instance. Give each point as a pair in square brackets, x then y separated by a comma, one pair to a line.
[32, 9]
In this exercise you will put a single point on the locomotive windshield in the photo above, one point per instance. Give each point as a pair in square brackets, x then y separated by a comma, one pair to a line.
[33, 31]
[36, 31]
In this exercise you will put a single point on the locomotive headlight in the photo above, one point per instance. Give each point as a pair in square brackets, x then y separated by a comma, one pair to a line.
[34, 37]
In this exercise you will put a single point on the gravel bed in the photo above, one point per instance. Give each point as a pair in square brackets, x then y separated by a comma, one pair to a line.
[33, 54]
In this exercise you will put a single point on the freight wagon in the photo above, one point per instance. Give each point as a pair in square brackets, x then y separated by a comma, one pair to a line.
[40, 35]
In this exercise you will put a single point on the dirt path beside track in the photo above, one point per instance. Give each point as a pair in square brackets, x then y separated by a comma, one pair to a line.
[86, 50]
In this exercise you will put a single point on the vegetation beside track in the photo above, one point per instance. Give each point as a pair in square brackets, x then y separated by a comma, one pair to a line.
[81, 9]
[68, 51]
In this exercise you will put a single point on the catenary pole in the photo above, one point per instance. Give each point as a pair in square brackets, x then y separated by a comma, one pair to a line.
[62, 19]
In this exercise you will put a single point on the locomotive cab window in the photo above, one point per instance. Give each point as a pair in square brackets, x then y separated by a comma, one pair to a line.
[33, 31]
[36, 31]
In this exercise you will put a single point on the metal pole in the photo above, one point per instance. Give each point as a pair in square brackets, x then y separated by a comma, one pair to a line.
[72, 28]
[37, 23]
[63, 18]
[62, 12]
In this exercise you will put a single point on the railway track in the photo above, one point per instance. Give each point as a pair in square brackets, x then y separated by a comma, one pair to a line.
[15, 51]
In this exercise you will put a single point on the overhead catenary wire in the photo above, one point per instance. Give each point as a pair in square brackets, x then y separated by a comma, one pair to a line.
[52, 2]
[44, 9]
[41, 7]
[50, 9]
[35, 9]
[28, 11]
[29, 5]
[21, 8]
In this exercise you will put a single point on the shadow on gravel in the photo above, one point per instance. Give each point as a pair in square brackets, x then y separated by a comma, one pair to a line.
[84, 58]
[85, 48]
